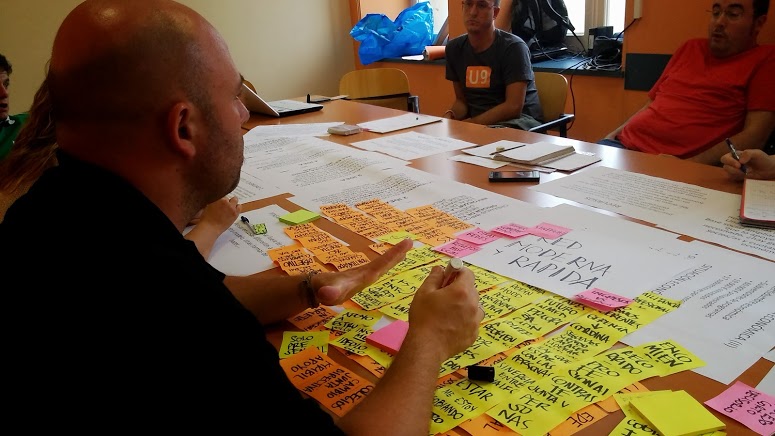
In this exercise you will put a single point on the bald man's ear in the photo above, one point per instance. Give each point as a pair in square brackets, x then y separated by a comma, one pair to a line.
[182, 129]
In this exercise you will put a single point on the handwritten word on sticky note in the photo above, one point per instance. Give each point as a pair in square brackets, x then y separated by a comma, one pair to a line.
[548, 231]
[511, 230]
[602, 300]
[458, 248]
[749, 406]
[478, 236]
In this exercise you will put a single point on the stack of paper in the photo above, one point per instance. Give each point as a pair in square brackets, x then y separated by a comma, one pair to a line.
[539, 153]
[757, 207]
[677, 414]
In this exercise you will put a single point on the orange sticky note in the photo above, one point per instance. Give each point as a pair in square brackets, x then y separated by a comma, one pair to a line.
[308, 369]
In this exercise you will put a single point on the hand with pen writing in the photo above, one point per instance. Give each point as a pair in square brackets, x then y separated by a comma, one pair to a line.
[446, 317]
[211, 222]
[758, 165]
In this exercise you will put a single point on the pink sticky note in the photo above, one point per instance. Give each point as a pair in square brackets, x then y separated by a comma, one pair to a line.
[458, 248]
[511, 230]
[749, 406]
[390, 337]
[602, 300]
[548, 231]
[478, 236]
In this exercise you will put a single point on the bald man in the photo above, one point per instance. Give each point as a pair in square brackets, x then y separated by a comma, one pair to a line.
[117, 321]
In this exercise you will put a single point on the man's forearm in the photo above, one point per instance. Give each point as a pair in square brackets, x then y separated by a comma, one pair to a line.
[270, 299]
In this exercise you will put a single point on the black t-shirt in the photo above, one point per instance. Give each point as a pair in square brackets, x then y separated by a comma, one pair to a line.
[118, 319]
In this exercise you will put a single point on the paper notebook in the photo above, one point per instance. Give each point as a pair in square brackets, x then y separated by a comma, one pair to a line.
[757, 206]
[539, 153]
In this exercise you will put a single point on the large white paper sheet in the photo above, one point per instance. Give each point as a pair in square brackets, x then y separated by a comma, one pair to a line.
[578, 261]
[386, 125]
[727, 314]
[412, 145]
[238, 253]
[692, 210]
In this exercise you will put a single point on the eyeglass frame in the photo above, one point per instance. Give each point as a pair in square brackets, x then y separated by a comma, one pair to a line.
[736, 14]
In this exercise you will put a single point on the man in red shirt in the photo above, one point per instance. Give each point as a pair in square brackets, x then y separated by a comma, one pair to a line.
[712, 89]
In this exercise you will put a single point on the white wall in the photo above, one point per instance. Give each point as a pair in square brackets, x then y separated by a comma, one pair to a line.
[285, 48]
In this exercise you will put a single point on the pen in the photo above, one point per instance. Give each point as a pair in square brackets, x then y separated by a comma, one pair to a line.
[246, 221]
[453, 266]
[735, 155]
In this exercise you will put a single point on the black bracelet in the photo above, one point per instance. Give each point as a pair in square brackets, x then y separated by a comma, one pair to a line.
[309, 290]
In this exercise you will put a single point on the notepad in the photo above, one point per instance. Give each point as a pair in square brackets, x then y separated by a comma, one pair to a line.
[677, 414]
[757, 205]
[538, 153]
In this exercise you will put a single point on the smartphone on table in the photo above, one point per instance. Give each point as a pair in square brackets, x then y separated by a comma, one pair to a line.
[515, 176]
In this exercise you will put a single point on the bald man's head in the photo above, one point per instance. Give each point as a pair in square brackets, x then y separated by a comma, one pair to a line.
[116, 61]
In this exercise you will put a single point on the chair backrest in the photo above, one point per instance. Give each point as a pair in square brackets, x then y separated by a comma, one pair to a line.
[552, 92]
[386, 87]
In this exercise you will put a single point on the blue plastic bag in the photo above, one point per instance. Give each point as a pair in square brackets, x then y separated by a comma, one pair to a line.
[382, 38]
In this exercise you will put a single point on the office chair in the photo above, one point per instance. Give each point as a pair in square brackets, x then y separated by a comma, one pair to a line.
[552, 93]
[386, 87]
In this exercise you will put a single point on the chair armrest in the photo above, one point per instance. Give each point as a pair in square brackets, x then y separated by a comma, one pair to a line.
[561, 123]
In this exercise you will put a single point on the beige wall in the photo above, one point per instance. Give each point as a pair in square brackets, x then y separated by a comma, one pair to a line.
[286, 49]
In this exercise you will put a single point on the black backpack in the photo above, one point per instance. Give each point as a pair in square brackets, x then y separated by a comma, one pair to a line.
[540, 22]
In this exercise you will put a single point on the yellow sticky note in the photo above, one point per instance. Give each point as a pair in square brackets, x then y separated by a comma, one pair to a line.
[299, 217]
[660, 412]
[293, 342]
[396, 237]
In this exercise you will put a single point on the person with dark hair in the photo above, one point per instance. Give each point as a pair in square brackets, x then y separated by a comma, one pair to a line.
[491, 72]
[712, 89]
[9, 124]
[117, 323]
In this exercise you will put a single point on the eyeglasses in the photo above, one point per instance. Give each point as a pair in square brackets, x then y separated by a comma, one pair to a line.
[468, 4]
[733, 13]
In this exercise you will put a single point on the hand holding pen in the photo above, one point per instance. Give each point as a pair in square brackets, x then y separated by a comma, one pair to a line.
[733, 150]
[758, 165]
[450, 272]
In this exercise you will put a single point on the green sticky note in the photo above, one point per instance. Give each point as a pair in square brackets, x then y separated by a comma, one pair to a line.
[677, 414]
[299, 217]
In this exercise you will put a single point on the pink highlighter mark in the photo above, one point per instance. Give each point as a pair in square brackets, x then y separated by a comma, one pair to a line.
[548, 231]
[478, 236]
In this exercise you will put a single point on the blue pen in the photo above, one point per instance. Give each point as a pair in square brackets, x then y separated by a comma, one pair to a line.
[735, 155]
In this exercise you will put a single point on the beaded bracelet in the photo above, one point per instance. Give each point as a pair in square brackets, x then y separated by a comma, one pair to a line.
[309, 290]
